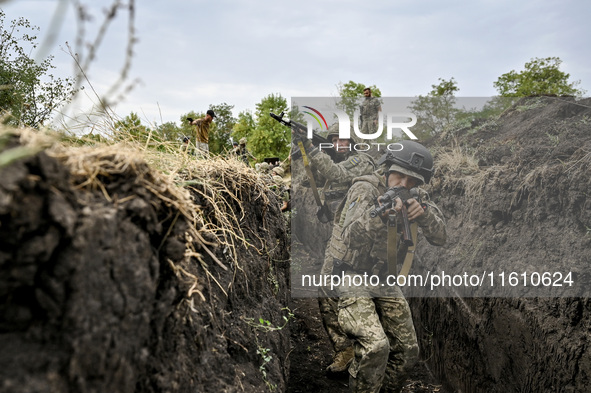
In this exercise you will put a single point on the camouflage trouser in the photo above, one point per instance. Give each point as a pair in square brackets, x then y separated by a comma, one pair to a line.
[385, 341]
[370, 126]
[328, 304]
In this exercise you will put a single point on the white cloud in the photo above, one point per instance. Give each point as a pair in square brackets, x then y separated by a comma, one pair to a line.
[192, 54]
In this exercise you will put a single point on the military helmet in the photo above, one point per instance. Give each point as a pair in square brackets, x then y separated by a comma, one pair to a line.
[242, 141]
[264, 167]
[411, 159]
[278, 171]
[332, 131]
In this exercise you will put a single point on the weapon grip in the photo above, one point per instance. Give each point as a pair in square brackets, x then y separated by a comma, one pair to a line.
[406, 235]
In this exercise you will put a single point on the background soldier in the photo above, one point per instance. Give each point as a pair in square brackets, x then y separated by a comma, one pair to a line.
[242, 152]
[370, 112]
[281, 187]
[349, 165]
[378, 317]
[202, 131]
[186, 145]
[263, 168]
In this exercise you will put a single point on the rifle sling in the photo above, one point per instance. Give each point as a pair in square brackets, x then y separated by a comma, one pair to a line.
[309, 173]
[410, 253]
[392, 244]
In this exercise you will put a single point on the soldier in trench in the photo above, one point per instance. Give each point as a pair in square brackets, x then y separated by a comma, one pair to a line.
[377, 317]
[339, 173]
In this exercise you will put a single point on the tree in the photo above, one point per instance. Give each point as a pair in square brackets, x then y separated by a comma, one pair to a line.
[170, 132]
[221, 128]
[435, 111]
[187, 129]
[540, 77]
[244, 126]
[269, 137]
[350, 94]
[27, 91]
[131, 127]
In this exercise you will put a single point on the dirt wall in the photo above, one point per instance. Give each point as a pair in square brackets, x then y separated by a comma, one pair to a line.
[103, 290]
[524, 208]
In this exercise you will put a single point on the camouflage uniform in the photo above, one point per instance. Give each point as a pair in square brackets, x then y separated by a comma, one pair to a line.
[274, 178]
[339, 177]
[370, 107]
[377, 318]
[262, 168]
[242, 152]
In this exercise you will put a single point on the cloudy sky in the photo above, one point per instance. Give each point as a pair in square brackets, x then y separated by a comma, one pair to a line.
[193, 53]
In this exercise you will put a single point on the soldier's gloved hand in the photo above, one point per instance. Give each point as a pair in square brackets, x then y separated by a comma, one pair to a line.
[190, 119]
[298, 133]
[308, 145]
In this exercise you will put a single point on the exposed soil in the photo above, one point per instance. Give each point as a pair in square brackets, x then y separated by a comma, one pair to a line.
[525, 208]
[99, 294]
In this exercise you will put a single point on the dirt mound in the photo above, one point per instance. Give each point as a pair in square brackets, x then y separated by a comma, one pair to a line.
[114, 278]
[515, 192]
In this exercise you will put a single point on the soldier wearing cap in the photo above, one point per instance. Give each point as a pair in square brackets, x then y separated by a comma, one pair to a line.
[378, 318]
[202, 131]
[339, 173]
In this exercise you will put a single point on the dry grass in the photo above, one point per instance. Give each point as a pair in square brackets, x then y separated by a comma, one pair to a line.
[458, 168]
[581, 160]
[457, 160]
[169, 175]
[31, 143]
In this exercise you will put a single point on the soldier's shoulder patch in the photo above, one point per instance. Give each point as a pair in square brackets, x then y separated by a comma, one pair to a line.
[352, 204]
[355, 161]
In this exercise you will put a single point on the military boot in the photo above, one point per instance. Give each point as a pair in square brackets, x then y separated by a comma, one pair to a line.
[341, 361]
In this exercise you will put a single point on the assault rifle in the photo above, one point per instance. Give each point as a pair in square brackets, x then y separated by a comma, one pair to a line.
[302, 130]
[387, 201]
[324, 214]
